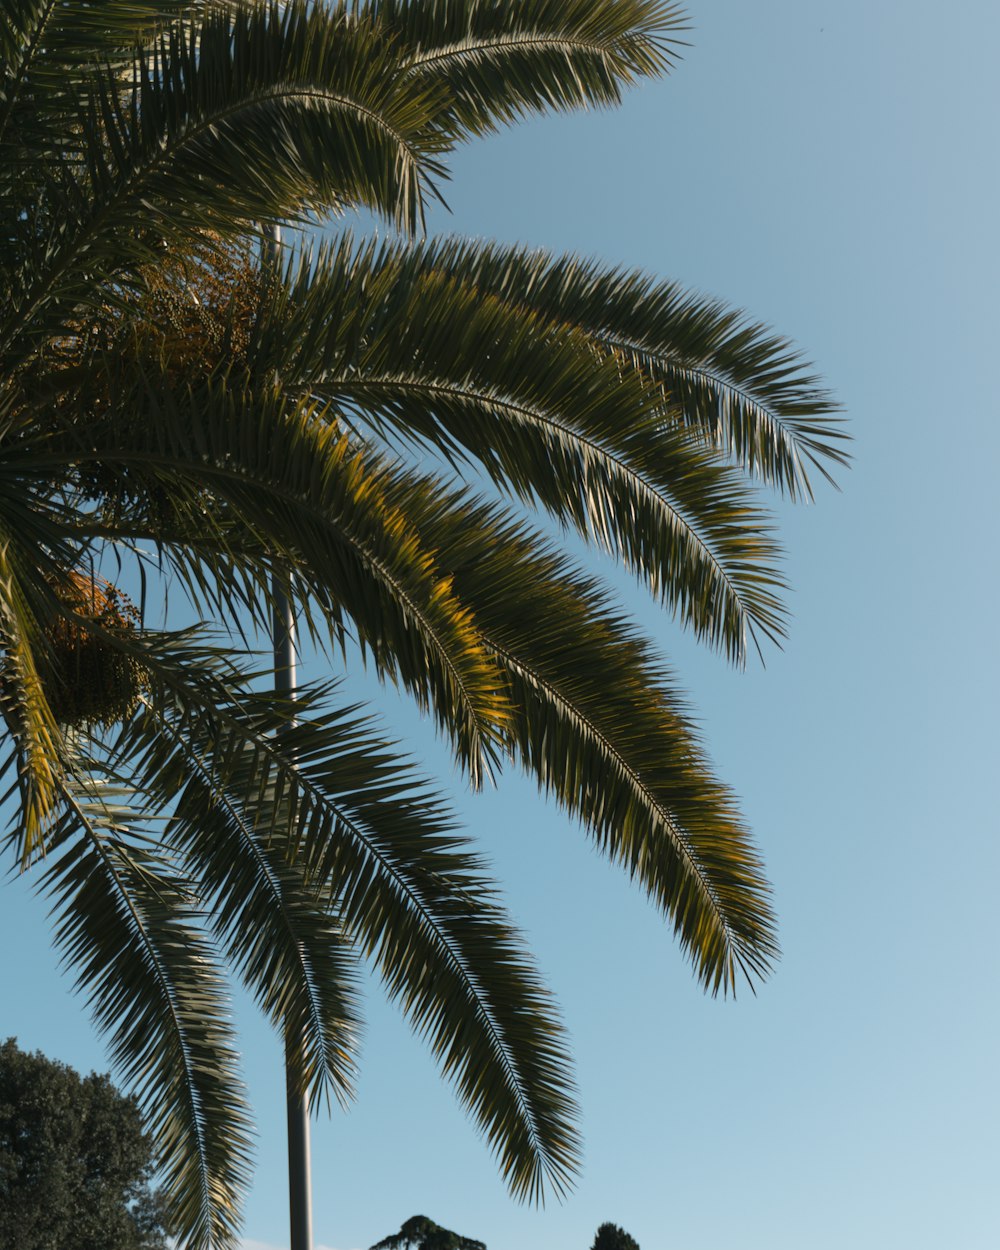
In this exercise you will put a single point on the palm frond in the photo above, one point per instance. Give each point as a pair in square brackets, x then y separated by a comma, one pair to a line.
[49, 51]
[745, 388]
[306, 498]
[422, 355]
[328, 787]
[602, 726]
[263, 114]
[24, 706]
[127, 924]
[238, 844]
[498, 63]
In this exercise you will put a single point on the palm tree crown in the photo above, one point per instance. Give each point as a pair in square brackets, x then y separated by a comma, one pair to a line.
[370, 424]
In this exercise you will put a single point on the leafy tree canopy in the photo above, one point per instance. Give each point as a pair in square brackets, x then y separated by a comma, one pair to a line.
[75, 1163]
[420, 1233]
[611, 1237]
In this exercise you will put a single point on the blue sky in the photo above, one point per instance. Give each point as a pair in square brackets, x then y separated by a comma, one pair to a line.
[831, 168]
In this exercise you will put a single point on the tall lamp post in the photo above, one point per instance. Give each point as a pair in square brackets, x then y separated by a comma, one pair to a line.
[299, 1164]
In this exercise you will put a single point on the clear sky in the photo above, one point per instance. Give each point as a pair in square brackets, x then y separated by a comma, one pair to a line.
[831, 167]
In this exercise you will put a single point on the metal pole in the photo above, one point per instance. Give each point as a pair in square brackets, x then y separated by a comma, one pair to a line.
[299, 1163]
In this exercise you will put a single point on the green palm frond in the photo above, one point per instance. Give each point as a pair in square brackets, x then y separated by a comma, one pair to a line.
[273, 926]
[228, 461]
[501, 63]
[748, 390]
[330, 791]
[24, 705]
[75, 34]
[430, 922]
[425, 356]
[128, 926]
[601, 725]
[49, 47]
[266, 113]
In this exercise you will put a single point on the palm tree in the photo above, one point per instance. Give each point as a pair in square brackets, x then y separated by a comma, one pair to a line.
[166, 405]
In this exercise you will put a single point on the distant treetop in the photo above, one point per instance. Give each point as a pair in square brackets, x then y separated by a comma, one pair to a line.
[611, 1237]
[420, 1233]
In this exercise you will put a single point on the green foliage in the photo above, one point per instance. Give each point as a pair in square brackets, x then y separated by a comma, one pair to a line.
[367, 426]
[611, 1237]
[75, 1163]
[420, 1233]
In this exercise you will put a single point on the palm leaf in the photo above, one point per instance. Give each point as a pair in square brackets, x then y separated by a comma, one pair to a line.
[301, 491]
[266, 113]
[384, 853]
[498, 64]
[127, 924]
[424, 356]
[24, 705]
[748, 390]
[273, 927]
[600, 723]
